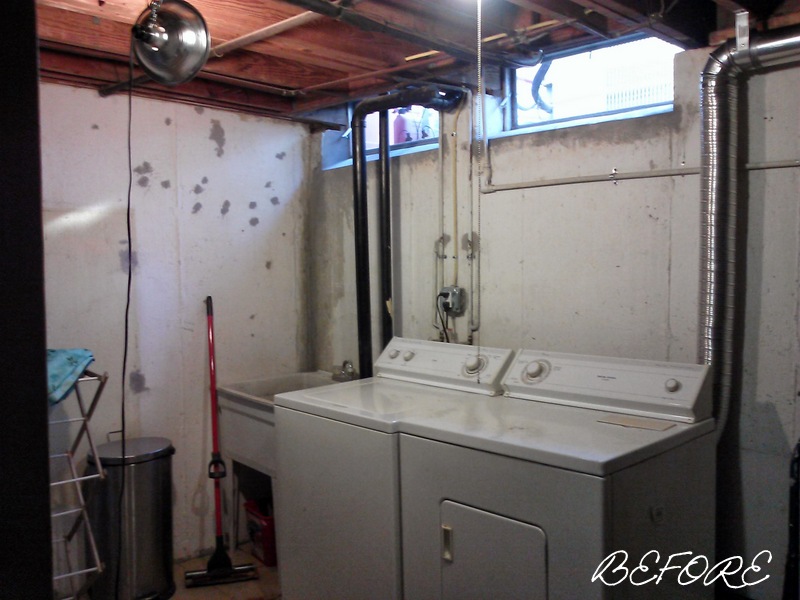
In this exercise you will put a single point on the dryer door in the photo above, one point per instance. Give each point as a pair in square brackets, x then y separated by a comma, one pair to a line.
[485, 555]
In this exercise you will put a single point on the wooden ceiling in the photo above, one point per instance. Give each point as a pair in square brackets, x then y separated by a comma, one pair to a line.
[315, 54]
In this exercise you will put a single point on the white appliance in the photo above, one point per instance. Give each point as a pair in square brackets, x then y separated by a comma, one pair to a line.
[337, 489]
[423, 482]
[524, 496]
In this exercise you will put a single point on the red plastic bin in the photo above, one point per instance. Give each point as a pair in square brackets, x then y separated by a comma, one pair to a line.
[262, 534]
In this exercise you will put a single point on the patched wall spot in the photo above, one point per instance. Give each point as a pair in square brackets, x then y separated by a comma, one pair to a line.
[254, 221]
[143, 168]
[137, 382]
[123, 260]
[217, 136]
[468, 240]
[275, 201]
[196, 208]
[226, 207]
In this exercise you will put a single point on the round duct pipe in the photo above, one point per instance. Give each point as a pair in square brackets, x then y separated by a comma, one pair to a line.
[722, 77]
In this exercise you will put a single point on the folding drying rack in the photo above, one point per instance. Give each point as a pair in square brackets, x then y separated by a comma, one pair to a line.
[71, 515]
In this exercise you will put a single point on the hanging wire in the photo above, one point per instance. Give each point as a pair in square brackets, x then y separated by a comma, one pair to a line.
[126, 326]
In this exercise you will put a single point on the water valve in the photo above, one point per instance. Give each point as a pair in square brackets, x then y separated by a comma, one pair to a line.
[451, 300]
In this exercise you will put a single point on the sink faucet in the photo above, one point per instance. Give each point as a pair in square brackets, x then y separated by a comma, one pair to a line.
[344, 373]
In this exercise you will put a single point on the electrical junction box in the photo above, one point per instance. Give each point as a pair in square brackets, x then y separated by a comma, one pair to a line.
[452, 300]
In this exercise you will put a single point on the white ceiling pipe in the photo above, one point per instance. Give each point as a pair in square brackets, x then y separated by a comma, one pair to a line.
[265, 32]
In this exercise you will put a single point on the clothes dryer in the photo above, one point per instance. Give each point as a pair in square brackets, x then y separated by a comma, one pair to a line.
[586, 469]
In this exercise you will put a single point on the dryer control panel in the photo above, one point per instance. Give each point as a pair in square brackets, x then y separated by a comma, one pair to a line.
[674, 391]
[456, 366]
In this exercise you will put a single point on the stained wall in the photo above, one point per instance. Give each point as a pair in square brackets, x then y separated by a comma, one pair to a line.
[217, 209]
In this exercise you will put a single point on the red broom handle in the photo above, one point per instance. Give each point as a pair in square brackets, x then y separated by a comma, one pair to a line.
[212, 376]
[216, 468]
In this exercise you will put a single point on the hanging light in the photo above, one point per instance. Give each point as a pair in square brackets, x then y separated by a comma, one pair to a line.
[171, 41]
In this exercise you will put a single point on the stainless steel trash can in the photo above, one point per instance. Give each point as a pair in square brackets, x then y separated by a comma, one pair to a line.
[144, 559]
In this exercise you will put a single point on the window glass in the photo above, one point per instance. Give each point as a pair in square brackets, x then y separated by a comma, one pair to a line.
[599, 84]
[411, 128]
[407, 126]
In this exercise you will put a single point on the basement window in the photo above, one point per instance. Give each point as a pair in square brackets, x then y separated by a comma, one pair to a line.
[626, 80]
[411, 129]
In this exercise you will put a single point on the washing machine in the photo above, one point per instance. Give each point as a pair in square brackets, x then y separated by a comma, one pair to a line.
[590, 478]
[338, 481]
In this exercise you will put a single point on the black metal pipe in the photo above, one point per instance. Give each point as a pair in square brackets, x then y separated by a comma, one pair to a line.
[361, 232]
[430, 97]
[385, 231]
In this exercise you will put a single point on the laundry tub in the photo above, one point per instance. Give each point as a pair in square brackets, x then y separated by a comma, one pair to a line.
[247, 431]
[247, 416]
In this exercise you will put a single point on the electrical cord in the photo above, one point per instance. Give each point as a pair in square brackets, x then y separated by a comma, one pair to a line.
[441, 311]
[126, 327]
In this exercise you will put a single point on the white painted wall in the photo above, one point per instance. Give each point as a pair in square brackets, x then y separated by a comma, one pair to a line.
[218, 206]
[608, 268]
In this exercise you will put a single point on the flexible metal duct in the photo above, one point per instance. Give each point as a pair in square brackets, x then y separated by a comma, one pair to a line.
[430, 97]
[724, 72]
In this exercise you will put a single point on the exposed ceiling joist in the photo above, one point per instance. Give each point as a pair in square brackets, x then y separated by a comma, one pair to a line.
[312, 54]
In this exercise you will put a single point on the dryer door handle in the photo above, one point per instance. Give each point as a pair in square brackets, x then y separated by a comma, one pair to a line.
[447, 543]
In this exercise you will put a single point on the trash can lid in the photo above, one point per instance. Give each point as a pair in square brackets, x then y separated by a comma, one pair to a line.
[137, 450]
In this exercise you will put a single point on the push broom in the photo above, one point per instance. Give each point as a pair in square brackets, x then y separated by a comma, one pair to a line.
[219, 569]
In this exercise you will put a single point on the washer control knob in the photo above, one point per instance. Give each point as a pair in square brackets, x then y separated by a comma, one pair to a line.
[535, 369]
[474, 364]
[409, 354]
[394, 353]
[672, 385]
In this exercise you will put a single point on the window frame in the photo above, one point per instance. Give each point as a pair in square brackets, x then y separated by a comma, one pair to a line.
[511, 125]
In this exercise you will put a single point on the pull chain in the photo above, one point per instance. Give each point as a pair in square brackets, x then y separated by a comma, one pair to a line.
[476, 249]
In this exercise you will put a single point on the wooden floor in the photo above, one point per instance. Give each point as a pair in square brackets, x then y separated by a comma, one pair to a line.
[266, 587]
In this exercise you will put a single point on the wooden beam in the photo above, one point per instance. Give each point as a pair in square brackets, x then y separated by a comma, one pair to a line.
[686, 23]
[82, 71]
[723, 35]
[760, 9]
[76, 31]
[564, 10]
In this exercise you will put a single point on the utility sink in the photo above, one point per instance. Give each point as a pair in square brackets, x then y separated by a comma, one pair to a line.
[247, 416]
[264, 390]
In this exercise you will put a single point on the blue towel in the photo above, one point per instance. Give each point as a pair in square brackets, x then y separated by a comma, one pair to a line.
[64, 368]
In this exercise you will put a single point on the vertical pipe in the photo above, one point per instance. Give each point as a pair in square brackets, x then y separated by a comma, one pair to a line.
[721, 80]
[430, 97]
[361, 232]
[715, 195]
[385, 231]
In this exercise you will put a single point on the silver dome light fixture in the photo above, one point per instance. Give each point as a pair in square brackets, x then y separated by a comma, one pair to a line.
[171, 41]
